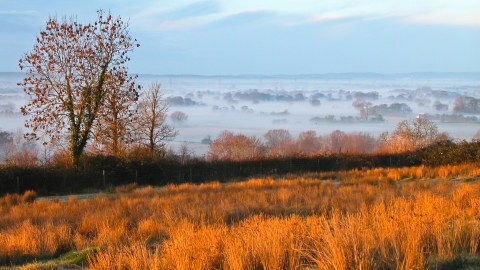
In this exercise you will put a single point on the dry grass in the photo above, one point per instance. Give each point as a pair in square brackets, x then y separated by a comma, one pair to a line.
[362, 219]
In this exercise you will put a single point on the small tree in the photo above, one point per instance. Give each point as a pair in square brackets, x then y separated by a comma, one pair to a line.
[178, 117]
[149, 125]
[279, 142]
[185, 151]
[364, 108]
[308, 143]
[235, 147]
[5, 137]
[335, 141]
[207, 140]
[410, 135]
[114, 125]
[71, 71]
[19, 151]
[439, 106]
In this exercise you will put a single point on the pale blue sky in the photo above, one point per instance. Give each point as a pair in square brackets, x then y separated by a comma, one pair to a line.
[271, 37]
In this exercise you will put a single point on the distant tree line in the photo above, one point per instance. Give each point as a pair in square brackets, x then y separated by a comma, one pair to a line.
[467, 105]
[409, 135]
[368, 113]
[100, 172]
[394, 109]
[452, 118]
[256, 96]
[180, 101]
[375, 118]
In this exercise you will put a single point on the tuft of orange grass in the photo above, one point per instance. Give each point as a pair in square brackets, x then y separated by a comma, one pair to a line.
[193, 248]
[396, 174]
[28, 240]
[133, 256]
[28, 196]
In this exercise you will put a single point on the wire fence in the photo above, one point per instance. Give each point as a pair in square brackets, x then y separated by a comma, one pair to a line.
[106, 174]
[100, 172]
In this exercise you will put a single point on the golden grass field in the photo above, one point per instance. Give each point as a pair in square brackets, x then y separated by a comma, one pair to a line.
[404, 218]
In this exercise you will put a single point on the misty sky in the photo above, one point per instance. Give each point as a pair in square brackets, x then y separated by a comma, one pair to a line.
[271, 37]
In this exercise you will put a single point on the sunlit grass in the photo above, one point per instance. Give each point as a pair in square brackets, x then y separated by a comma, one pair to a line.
[360, 219]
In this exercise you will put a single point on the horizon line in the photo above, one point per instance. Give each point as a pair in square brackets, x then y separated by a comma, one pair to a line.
[471, 73]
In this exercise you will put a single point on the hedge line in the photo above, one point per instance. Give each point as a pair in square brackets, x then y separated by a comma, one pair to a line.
[99, 172]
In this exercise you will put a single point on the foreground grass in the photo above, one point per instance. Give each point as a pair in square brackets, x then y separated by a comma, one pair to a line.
[361, 219]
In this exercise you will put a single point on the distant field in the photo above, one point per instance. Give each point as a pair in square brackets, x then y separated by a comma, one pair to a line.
[209, 91]
[403, 218]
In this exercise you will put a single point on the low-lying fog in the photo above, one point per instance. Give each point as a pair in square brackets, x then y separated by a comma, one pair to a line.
[252, 105]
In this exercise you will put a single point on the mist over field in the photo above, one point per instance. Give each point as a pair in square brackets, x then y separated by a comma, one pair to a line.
[252, 105]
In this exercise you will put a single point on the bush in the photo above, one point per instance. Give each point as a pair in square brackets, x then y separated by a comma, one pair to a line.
[126, 188]
[29, 196]
[15, 199]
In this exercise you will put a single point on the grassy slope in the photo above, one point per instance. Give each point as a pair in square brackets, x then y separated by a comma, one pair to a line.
[361, 219]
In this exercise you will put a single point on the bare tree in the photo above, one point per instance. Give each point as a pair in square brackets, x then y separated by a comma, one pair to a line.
[207, 140]
[19, 151]
[364, 108]
[411, 134]
[476, 136]
[335, 139]
[149, 125]
[358, 142]
[114, 125]
[185, 151]
[5, 137]
[178, 117]
[308, 143]
[71, 71]
[235, 147]
[279, 142]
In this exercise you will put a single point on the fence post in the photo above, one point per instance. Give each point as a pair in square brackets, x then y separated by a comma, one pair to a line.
[136, 176]
[191, 175]
[318, 165]
[103, 172]
[18, 185]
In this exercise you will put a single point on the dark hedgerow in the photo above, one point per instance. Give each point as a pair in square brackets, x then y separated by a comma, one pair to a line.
[96, 172]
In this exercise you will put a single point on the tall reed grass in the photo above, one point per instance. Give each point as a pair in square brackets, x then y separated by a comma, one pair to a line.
[361, 219]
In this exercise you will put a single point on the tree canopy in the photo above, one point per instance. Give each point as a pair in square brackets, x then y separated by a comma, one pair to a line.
[71, 72]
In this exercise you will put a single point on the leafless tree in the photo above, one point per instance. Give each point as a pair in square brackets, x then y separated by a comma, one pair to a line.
[5, 137]
[150, 127]
[365, 109]
[335, 141]
[71, 72]
[235, 147]
[19, 151]
[358, 142]
[476, 136]
[411, 134]
[178, 117]
[113, 130]
[185, 151]
[278, 142]
[308, 143]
